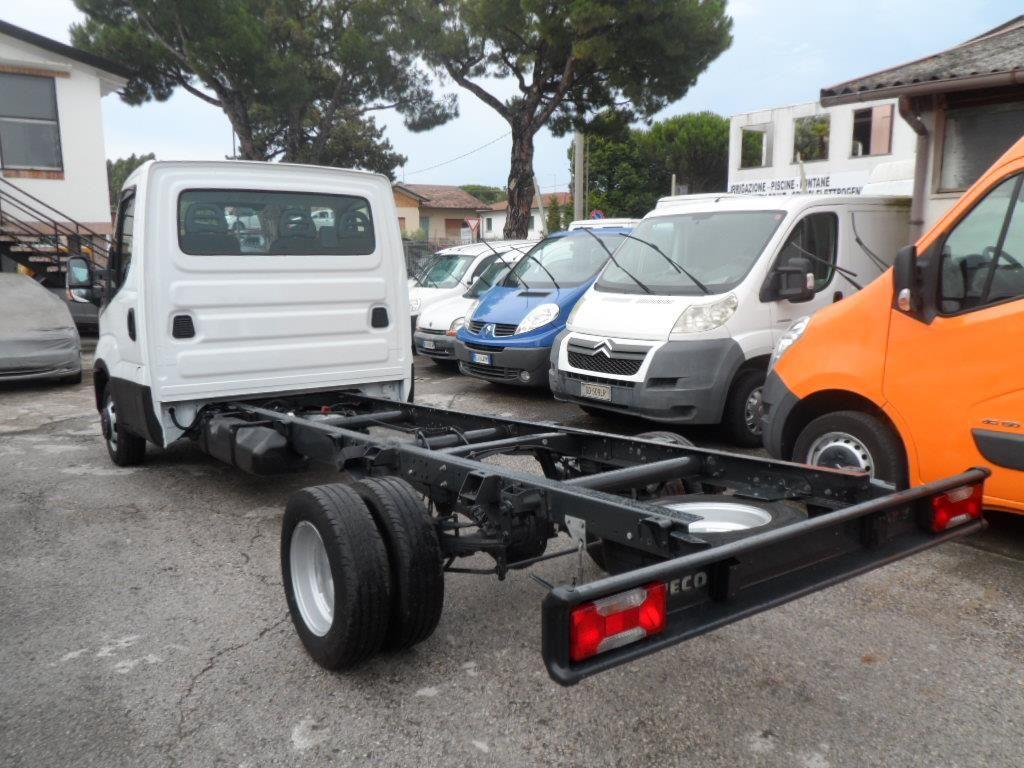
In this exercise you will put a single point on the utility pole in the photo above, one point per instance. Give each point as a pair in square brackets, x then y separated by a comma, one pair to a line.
[579, 189]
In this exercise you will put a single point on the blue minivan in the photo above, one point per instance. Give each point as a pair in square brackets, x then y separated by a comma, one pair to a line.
[508, 335]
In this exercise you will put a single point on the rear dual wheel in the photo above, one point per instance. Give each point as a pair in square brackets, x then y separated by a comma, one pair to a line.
[361, 567]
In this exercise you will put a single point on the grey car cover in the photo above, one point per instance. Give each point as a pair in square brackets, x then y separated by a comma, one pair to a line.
[38, 339]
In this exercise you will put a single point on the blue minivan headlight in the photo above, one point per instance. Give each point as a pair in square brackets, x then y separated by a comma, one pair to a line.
[537, 317]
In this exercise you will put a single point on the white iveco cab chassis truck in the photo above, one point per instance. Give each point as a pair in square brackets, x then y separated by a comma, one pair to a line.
[286, 340]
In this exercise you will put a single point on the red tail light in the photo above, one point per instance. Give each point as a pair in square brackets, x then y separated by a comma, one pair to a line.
[618, 620]
[956, 507]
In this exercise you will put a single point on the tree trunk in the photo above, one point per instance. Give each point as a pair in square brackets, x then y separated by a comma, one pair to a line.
[520, 184]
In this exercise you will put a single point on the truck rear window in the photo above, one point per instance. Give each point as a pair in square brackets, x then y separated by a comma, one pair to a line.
[231, 222]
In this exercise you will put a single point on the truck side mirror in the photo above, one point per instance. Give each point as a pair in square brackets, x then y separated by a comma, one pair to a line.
[904, 283]
[79, 280]
[795, 280]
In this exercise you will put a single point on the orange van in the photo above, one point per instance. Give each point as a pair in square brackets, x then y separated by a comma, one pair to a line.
[921, 374]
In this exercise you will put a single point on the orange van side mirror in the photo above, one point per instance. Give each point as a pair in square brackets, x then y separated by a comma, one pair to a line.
[904, 284]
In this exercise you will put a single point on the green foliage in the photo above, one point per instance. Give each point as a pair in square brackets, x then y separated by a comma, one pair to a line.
[119, 170]
[568, 213]
[752, 148]
[810, 138]
[569, 61]
[298, 79]
[630, 171]
[553, 214]
[486, 194]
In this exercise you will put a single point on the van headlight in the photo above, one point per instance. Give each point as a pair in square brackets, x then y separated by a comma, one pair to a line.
[537, 317]
[698, 318]
[414, 305]
[457, 323]
[789, 338]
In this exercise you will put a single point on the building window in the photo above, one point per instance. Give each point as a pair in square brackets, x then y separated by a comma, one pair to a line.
[872, 131]
[401, 223]
[533, 223]
[810, 138]
[490, 224]
[29, 132]
[973, 139]
[755, 146]
[425, 225]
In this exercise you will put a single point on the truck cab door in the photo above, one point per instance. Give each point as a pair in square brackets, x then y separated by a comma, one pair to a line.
[816, 238]
[958, 381]
[120, 314]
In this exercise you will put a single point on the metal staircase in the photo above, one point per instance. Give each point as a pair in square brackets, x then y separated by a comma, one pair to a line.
[39, 237]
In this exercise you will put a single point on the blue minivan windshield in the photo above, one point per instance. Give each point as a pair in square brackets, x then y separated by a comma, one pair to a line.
[564, 262]
[717, 248]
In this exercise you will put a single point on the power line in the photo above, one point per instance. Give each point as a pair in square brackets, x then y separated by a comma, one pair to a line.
[452, 160]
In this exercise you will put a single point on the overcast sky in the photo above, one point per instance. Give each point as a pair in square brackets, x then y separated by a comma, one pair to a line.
[783, 52]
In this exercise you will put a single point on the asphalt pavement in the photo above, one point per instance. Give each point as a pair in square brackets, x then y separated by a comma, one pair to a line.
[143, 623]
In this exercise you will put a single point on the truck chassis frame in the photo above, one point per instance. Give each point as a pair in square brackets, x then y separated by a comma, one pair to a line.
[595, 486]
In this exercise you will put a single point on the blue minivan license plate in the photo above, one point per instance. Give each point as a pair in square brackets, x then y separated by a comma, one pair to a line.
[481, 358]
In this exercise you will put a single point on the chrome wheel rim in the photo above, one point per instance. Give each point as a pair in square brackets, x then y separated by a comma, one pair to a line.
[111, 414]
[312, 583]
[722, 516]
[753, 411]
[841, 450]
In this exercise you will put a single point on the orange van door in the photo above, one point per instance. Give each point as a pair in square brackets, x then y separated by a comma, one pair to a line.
[958, 382]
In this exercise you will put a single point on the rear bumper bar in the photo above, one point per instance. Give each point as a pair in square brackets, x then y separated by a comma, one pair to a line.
[754, 574]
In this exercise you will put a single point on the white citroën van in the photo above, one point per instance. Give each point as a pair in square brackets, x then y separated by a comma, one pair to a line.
[680, 326]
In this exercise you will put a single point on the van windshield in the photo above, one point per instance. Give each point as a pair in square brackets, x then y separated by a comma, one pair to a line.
[445, 270]
[563, 262]
[488, 278]
[717, 248]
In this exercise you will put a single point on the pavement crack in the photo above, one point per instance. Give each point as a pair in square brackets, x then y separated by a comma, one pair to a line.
[211, 662]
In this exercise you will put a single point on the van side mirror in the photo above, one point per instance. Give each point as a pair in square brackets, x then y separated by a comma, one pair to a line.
[795, 280]
[904, 283]
[80, 281]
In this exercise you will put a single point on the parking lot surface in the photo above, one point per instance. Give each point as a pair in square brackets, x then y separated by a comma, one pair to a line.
[142, 622]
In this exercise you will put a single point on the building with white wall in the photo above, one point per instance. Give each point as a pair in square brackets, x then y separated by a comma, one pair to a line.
[835, 148]
[51, 126]
[964, 106]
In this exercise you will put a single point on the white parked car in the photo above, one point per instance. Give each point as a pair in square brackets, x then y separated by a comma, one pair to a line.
[680, 326]
[437, 325]
[453, 270]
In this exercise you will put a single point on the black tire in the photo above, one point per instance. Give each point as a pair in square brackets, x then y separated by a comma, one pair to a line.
[879, 448]
[742, 425]
[417, 579]
[124, 448]
[661, 436]
[358, 569]
[618, 558]
[448, 366]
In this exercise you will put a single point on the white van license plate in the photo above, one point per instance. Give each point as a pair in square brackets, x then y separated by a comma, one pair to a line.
[428, 344]
[596, 391]
[481, 358]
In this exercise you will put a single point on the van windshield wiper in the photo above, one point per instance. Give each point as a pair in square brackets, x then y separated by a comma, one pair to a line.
[681, 270]
[628, 274]
[501, 258]
[535, 260]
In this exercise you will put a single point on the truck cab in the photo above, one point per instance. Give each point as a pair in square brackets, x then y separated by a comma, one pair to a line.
[194, 310]
[922, 370]
[680, 325]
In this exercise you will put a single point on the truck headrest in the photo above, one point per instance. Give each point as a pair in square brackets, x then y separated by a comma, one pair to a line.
[203, 218]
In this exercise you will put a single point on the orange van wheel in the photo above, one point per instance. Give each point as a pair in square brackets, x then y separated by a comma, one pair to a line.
[853, 440]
